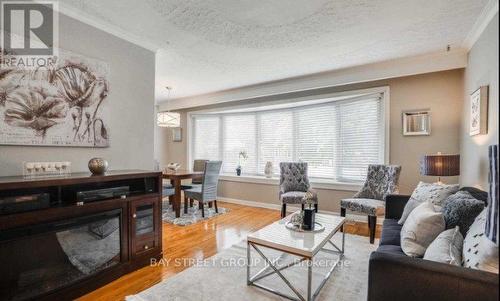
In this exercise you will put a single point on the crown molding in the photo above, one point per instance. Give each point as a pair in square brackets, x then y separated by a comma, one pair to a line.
[431, 62]
[485, 17]
[88, 19]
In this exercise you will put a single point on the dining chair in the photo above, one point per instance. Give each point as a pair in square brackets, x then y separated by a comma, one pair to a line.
[294, 183]
[207, 192]
[198, 166]
[381, 181]
[167, 191]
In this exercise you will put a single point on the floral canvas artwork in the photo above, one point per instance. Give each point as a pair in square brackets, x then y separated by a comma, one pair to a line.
[62, 105]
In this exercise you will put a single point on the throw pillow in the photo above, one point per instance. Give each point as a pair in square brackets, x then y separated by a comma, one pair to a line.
[446, 248]
[479, 252]
[460, 209]
[421, 228]
[427, 192]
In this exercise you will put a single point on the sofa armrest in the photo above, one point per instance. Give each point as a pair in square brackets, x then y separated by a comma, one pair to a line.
[394, 277]
[394, 205]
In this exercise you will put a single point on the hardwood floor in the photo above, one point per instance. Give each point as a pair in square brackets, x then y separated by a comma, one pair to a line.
[182, 246]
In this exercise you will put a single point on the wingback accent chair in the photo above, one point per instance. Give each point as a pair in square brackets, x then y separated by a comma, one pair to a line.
[207, 192]
[294, 183]
[381, 181]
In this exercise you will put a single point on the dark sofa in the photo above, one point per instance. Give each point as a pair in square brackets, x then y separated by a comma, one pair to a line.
[395, 276]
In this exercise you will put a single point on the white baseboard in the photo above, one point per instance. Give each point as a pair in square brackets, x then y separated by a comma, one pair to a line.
[250, 203]
[292, 208]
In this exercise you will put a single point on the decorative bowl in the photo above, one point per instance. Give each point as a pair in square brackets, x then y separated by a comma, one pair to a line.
[98, 166]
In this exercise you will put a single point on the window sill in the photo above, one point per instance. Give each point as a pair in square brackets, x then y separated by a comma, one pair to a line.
[315, 183]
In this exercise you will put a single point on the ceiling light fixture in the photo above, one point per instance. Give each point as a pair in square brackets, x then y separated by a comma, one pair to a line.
[168, 119]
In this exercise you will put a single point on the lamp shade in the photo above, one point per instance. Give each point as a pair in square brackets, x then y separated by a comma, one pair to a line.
[169, 119]
[440, 165]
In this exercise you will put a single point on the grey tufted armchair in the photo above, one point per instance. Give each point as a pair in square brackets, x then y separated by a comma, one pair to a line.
[381, 181]
[294, 184]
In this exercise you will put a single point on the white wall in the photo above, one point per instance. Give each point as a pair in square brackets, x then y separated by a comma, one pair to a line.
[131, 123]
[482, 70]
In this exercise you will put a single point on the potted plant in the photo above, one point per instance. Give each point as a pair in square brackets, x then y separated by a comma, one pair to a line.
[242, 156]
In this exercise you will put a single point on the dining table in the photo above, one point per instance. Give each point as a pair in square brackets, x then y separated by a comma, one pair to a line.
[176, 177]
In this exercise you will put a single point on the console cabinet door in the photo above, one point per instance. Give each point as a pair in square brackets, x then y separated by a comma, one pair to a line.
[145, 225]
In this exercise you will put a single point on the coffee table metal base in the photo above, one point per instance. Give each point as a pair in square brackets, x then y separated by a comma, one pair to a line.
[265, 272]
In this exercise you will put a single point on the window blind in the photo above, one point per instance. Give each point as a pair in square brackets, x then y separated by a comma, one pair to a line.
[316, 137]
[206, 145]
[276, 142]
[338, 139]
[239, 136]
[360, 138]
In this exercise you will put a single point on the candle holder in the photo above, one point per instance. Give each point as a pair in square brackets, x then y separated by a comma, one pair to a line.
[46, 169]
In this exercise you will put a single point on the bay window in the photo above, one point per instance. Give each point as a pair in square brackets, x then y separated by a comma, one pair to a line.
[338, 138]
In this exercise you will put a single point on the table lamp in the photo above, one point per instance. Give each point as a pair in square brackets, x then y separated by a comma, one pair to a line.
[440, 165]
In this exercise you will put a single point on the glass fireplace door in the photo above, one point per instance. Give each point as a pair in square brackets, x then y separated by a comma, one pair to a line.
[145, 221]
[51, 255]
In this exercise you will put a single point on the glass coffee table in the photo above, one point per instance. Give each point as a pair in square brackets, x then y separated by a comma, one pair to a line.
[305, 246]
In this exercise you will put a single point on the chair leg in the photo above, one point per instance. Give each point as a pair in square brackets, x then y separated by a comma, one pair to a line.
[342, 213]
[185, 205]
[191, 202]
[372, 224]
[302, 207]
[210, 204]
[202, 209]
[283, 210]
[215, 205]
[316, 208]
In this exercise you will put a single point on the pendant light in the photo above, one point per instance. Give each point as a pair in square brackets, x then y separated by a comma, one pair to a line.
[168, 119]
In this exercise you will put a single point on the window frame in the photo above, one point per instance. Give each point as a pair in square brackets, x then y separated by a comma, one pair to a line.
[291, 103]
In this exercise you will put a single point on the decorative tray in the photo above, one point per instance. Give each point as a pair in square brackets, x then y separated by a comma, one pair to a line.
[297, 228]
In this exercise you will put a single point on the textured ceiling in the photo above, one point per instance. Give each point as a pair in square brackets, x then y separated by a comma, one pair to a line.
[212, 45]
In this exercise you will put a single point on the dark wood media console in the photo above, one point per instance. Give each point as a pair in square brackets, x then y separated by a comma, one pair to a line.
[62, 237]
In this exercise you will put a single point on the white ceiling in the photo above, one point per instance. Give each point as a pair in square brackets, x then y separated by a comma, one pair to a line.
[213, 45]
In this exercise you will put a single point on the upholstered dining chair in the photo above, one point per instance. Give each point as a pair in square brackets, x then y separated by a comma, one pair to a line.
[207, 192]
[167, 191]
[294, 183]
[198, 166]
[381, 180]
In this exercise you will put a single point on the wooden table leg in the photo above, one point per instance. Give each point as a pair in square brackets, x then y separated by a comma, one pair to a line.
[177, 196]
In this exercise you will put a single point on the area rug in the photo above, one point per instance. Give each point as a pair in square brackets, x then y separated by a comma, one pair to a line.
[223, 276]
[193, 216]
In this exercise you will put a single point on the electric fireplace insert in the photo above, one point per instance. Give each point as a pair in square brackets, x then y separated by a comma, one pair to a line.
[52, 255]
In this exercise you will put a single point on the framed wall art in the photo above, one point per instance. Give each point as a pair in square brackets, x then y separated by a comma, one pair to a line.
[479, 111]
[64, 104]
[417, 123]
[177, 134]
